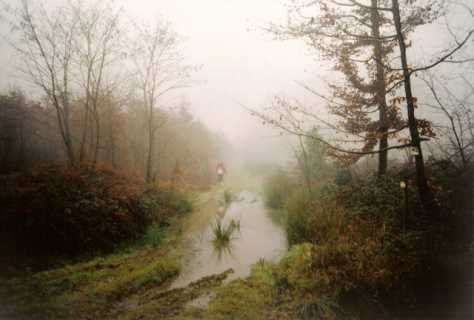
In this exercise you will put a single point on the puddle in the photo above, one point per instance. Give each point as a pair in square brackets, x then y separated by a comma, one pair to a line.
[258, 237]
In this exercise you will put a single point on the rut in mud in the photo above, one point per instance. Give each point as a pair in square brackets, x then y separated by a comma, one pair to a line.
[206, 266]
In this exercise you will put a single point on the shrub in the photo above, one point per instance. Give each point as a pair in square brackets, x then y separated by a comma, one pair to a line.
[66, 212]
[374, 196]
[343, 176]
[165, 203]
[354, 235]
[277, 189]
[298, 217]
[153, 236]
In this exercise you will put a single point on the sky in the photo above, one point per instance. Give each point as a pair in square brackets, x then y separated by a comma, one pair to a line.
[240, 64]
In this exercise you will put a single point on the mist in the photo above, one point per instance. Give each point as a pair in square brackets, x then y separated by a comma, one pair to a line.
[237, 64]
[271, 159]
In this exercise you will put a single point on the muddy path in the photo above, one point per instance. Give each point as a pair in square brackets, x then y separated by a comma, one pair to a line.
[205, 267]
[258, 237]
[170, 281]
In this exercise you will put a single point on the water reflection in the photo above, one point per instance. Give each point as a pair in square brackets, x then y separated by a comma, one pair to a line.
[223, 251]
[224, 235]
[254, 236]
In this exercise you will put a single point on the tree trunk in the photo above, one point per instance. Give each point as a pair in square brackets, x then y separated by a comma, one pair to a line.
[306, 169]
[113, 159]
[67, 117]
[151, 141]
[380, 89]
[82, 150]
[426, 196]
[97, 138]
[458, 141]
[63, 123]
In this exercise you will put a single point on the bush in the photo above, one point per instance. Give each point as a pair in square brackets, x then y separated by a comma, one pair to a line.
[66, 212]
[277, 189]
[297, 224]
[354, 234]
[349, 253]
[343, 176]
[375, 197]
[165, 203]
[154, 236]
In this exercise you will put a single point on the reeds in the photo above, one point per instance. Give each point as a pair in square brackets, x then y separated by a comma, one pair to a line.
[223, 234]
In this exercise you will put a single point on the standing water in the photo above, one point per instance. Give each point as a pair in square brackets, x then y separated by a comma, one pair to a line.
[255, 237]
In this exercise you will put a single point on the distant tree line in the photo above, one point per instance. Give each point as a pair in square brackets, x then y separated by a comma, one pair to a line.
[103, 80]
[29, 136]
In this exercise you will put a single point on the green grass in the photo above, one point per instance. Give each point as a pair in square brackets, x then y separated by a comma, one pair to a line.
[228, 197]
[245, 299]
[223, 234]
[277, 188]
[273, 291]
[90, 288]
[106, 286]
[154, 236]
[318, 308]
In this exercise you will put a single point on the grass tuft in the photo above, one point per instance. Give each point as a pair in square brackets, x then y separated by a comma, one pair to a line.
[223, 234]
[228, 197]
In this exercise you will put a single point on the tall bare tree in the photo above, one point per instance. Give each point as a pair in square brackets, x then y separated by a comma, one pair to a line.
[98, 47]
[47, 49]
[159, 69]
[411, 101]
[457, 135]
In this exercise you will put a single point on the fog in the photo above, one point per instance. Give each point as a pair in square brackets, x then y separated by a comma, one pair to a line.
[237, 159]
[238, 64]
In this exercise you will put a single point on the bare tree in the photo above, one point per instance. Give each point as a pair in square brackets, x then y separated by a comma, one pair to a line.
[47, 49]
[98, 47]
[458, 110]
[159, 69]
[422, 182]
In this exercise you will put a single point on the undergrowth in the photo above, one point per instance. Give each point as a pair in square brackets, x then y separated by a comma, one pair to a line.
[56, 212]
[347, 236]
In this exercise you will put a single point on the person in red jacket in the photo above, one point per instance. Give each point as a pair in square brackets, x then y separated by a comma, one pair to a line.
[221, 171]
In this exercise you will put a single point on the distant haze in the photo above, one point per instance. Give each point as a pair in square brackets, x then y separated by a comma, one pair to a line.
[240, 63]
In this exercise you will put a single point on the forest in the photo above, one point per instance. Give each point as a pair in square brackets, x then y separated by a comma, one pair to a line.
[290, 159]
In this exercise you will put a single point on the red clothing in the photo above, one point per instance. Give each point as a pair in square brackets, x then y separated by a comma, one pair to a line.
[220, 169]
